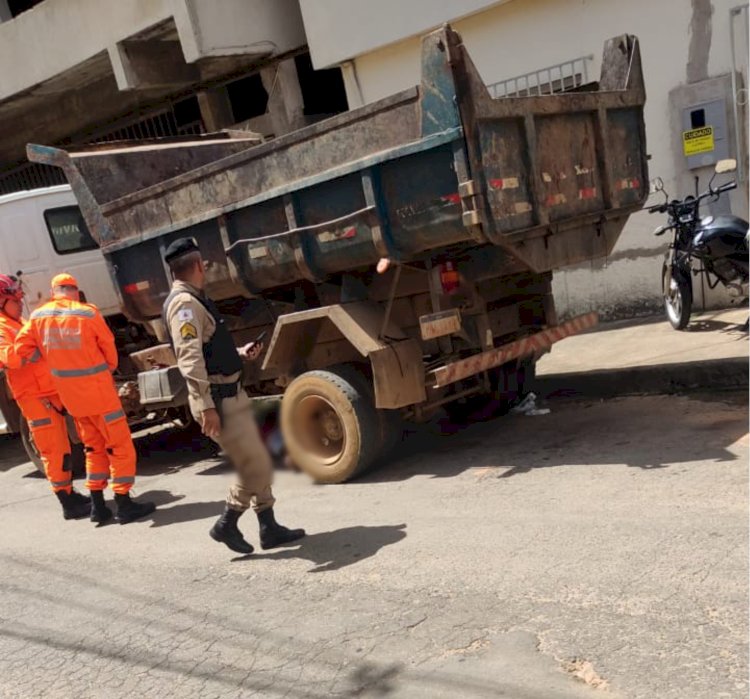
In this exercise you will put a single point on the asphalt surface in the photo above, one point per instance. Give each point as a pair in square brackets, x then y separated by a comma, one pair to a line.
[598, 551]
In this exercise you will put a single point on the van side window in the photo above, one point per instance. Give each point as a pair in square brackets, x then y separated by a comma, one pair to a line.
[68, 230]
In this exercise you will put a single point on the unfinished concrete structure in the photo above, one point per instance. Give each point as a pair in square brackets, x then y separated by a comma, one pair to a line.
[73, 71]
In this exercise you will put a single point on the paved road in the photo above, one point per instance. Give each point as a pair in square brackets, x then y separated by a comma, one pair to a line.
[600, 551]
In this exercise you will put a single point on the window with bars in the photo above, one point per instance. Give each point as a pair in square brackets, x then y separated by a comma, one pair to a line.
[546, 81]
[179, 119]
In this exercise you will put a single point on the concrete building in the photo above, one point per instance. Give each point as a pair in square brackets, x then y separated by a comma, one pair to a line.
[74, 71]
[691, 49]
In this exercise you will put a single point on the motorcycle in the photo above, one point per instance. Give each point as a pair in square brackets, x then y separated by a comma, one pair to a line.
[719, 244]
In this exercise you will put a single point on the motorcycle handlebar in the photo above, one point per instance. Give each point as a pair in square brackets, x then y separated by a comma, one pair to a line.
[664, 208]
[726, 187]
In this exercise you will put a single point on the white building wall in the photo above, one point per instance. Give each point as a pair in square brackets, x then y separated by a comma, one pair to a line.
[517, 37]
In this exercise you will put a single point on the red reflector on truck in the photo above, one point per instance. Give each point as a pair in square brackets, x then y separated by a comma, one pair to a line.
[136, 287]
[449, 277]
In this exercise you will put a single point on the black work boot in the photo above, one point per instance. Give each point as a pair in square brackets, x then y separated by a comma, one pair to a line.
[100, 513]
[72, 508]
[80, 497]
[272, 534]
[226, 532]
[128, 510]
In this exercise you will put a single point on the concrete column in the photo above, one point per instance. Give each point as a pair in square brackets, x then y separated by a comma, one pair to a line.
[351, 85]
[285, 104]
[216, 109]
[5, 14]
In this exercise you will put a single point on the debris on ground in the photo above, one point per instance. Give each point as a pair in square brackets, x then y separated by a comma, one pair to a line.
[584, 671]
[528, 407]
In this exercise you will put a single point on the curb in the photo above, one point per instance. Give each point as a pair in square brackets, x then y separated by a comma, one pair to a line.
[711, 375]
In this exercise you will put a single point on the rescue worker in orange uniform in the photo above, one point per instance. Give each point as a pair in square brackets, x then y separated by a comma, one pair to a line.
[31, 385]
[80, 350]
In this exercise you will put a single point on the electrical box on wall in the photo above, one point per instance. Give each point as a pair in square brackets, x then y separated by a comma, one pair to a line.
[705, 140]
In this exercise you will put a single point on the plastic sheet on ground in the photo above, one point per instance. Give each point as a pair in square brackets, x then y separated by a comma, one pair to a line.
[528, 407]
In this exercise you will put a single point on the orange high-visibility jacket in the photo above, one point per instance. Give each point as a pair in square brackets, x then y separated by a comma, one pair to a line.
[80, 351]
[27, 376]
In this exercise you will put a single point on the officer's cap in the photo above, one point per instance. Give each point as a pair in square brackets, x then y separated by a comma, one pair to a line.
[178, 248]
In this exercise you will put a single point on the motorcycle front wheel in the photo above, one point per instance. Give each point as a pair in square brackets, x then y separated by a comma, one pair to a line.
[677, 289]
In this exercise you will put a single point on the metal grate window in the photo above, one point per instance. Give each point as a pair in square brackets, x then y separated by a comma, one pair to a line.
[546, 81]
[157, 125]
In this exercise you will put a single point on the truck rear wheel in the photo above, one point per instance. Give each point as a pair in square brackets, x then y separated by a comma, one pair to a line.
[330, 425]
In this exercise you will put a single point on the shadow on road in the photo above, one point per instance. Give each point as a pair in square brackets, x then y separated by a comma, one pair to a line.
[12, 453]
[169, 513]
[187, 512]
[704, 326]
[171, 447]
[338, 549]
[644, 432]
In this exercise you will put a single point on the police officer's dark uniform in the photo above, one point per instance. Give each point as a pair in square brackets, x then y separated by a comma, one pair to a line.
[212, 367]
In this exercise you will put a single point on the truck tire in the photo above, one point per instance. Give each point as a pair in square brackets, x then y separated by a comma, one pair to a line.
[391, 426]
[76, 450]
[330, 425]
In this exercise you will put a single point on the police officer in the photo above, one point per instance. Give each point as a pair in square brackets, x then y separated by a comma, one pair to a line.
[212, 367]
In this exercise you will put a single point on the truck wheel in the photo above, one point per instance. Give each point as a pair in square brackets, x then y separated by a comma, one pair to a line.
[76, 450]
[330, 425]
[391, 426]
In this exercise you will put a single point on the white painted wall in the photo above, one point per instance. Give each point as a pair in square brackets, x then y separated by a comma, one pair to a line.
[338, 30]
[523, 35]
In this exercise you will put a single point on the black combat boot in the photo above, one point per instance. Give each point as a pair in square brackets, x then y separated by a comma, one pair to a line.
[128, 510]
[80, 497]
[225, 531]
[100, 513]
[272, 534]
[72, 508]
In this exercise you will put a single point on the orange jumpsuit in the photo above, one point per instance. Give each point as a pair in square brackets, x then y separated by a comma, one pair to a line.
[31, 385]
[80, 351]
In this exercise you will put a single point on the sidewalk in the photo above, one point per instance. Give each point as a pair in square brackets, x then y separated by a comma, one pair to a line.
[648, 356]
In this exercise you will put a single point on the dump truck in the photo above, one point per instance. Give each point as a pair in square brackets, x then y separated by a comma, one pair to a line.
[399, 256]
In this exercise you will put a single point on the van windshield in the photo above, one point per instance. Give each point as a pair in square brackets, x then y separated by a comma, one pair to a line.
[68, 230]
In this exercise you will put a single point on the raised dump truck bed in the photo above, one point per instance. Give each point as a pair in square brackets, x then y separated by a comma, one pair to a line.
[472, 201]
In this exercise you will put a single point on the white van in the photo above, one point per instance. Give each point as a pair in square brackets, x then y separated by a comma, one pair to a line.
[42, 233]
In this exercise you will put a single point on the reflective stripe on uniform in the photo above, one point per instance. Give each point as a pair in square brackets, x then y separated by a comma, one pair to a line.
[124, 479]
[109, 417]
[41, 422]
[61, 484]
[97, 476]
[88, 371]
[33, 359]
[50, 312]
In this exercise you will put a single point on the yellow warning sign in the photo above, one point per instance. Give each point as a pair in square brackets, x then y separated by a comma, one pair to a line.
[698, 141]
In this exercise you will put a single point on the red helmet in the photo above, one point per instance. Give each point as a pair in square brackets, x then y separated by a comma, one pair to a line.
[10, 288]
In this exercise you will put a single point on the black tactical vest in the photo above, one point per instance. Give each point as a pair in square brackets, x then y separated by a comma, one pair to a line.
[219, 353]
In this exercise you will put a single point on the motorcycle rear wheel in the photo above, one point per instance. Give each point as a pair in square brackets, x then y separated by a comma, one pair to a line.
[677, 290]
